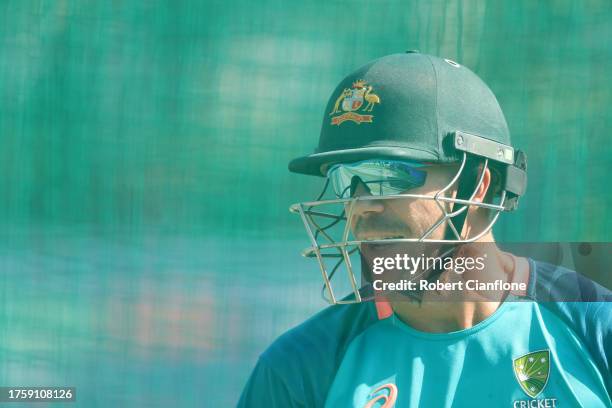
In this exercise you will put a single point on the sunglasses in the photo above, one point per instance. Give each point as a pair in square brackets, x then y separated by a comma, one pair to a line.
[380, 177]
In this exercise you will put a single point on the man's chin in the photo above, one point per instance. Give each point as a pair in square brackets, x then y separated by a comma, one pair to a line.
[371, 250]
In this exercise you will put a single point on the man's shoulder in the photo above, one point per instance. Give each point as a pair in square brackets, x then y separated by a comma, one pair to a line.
[556, 283]
[323, 335]
[581, 304]
[299, 366]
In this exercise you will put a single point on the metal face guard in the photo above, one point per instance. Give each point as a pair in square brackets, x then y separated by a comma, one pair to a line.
[325, 245]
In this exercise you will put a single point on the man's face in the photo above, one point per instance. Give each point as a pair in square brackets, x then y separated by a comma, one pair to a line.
[403, 217]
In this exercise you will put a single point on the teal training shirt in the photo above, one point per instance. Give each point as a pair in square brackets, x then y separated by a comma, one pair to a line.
[527, 354]
[468, 368]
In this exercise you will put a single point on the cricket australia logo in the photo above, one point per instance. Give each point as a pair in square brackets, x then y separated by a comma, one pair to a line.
[352, 101]
[532, 371]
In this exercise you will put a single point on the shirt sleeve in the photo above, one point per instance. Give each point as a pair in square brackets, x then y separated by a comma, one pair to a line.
[298, 368]
[265, 388]
[593, 322]
[584, 305]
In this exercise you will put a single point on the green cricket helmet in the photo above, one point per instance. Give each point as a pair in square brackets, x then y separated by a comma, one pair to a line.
[409, 108]
[404, 106]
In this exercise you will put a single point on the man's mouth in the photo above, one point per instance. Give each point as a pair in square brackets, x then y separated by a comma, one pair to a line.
[379, 229]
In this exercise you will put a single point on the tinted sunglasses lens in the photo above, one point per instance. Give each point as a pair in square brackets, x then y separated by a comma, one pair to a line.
[379, 178]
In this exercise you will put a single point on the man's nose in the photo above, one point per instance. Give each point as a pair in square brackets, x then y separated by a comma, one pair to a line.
[364, 207]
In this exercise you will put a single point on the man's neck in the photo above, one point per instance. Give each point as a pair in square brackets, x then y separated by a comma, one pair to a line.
[437, 313]
[438, 317]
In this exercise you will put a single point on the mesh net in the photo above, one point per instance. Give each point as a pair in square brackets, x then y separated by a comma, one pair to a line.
[146, 241]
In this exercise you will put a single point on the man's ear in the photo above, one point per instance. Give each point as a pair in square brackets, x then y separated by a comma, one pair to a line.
[481, 192]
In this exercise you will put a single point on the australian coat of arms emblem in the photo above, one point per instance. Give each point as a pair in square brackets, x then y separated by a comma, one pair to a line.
[353, 103]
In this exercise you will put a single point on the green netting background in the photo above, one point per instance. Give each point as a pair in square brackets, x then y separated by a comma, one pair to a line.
[146, 252]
